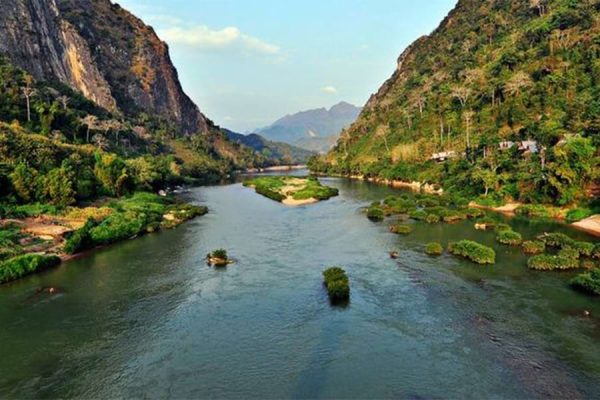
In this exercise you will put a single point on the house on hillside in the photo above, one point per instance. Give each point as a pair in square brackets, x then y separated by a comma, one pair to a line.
[525, 146]
[443, 156]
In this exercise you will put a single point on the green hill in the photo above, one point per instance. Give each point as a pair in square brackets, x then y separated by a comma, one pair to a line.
[494, 72]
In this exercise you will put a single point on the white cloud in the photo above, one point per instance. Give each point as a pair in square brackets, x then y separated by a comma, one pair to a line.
[329, 90]
[204, 38]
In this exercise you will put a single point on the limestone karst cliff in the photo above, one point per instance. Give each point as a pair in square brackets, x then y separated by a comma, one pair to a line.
[101, 50]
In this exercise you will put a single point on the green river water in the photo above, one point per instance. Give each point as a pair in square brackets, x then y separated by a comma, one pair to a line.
[149, 319]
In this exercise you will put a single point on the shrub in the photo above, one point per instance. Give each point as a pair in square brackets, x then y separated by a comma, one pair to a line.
[119, 226]
[577, 214]
[473, 251]
[433, 219]
[569, 252]
[546, 262]
[596, 251]
[588, 282]
[534, 247]
[401, 229]
[533, 211]
[337, 283]
[418, 215]
[502, 227]
[584, 248]
[434, 249]
[375, 213]
[450, 216]
[487, 221]
[509, 237]
[220, 254]
[81, 239]
[20, 266]
[557, 240]
[474, 213]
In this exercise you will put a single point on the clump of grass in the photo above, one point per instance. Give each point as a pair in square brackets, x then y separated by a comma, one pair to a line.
[375, 212]
[401, 229]
[418, 215]
[433, 219]
[588, 282]
[546, 262]
[473, 251]
[434, 249]
[577, 214]
[509, 237]
[337, 283]
[534, 247]
[20, 266]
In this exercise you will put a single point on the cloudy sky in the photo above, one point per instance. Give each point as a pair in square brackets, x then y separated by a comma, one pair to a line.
[248, 62]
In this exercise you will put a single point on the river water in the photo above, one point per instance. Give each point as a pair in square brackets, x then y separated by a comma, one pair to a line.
[149, 319]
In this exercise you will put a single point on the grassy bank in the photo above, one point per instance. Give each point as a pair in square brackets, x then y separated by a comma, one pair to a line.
[45, 231]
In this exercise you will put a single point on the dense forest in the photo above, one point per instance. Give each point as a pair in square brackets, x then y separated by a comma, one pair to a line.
[57, 147]
[502, 101]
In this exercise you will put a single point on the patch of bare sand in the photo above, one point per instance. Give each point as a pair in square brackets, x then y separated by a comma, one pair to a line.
[590, 225]
[290, 201]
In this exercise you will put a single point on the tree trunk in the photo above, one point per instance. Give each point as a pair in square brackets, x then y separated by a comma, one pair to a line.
[28, 109]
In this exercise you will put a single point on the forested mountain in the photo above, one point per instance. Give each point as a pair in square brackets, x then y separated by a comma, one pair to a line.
[501, 100]
[314, 130]
[90, 105]
[274, 153]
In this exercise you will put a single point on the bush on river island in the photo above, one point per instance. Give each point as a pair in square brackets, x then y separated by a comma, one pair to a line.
[473, 251]
[509, 237]
[337, 283]
[434, 249]
[401, 229]
[534, 247]
[588, 282]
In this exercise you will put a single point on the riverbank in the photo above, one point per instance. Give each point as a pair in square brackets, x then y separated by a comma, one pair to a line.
[414, 186]
[74, 232]
[279, 168]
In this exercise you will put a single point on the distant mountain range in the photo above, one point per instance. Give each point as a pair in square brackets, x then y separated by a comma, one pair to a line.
[274, 153]
[316, 130]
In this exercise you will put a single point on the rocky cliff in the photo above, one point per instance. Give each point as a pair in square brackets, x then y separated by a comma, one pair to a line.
[101, 50]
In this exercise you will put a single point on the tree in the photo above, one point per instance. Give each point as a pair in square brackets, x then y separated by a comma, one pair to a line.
[28, 93]
[488, 177]
[23, 180]
[58, 187]
[519, 81]
[462, 93]
[468, 119]
[91, 121]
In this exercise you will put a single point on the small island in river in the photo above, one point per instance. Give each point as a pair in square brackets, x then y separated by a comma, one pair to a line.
[291, 190]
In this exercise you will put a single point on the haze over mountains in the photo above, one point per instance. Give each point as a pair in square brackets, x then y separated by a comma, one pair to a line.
[316, 130]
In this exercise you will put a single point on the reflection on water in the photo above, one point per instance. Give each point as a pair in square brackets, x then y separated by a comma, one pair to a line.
[148, 318]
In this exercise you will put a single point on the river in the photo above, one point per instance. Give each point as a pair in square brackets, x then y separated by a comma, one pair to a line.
[149, 319]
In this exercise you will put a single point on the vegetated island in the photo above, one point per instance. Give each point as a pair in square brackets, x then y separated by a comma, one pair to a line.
[291, 190]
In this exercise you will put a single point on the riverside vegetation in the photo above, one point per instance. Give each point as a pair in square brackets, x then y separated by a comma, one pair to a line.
[338, 285]
[549, 251]
[499, 105]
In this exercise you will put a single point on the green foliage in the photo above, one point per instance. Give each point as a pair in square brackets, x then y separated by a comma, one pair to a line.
[534, 247]
[220, 254]
[434, 249]
[546, 262]
[81, 239]
[557, 240]
[401, 229]
[337, 283]
[375, 213]
[588, 282]
[577, 214]
[533, 211]
[509, 237]
[490, 76]
[418, 215]
[473, 251]
[433, 219]
[20, 266]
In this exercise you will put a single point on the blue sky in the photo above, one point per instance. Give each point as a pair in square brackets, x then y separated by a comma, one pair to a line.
[247, 63]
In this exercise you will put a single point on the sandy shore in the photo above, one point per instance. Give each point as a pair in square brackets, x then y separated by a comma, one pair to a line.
[289, 201]
[590, 225]
[508, 208]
